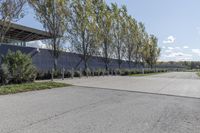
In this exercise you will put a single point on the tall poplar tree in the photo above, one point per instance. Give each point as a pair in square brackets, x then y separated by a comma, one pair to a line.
[83, 29]
[52, 14]
[105, 22]
[118, 33]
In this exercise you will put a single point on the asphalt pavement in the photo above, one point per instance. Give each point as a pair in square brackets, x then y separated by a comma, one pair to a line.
[105, 109]
[175, 83]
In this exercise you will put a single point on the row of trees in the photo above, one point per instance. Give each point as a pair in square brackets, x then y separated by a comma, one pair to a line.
[94, 28]
[180, 64]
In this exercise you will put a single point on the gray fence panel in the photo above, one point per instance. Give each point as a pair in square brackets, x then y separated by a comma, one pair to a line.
[44, 61]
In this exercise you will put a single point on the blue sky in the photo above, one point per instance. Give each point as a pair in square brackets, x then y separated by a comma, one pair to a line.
[176, 23]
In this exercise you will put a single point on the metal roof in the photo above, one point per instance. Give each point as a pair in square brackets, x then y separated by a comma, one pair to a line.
[27, 34]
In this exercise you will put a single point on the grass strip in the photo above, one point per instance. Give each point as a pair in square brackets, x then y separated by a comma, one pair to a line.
[17, 88]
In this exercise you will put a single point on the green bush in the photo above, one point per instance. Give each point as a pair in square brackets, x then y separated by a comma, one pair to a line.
[43, 75]
[57, 74]
[118, 72]
[125, 72]
[77, 74]
[4, 74]
[149, 71]
[87, 72]
[17, 68]
[162, 70]
[69, 74]
[40, 75]
[101, 72]
[98, 72]
[135, 71]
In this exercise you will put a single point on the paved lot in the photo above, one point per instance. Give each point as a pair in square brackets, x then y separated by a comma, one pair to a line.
[177, 83]
[96, 110]
[178, 75]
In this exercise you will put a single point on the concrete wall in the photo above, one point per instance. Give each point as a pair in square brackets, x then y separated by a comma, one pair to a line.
[43, 60]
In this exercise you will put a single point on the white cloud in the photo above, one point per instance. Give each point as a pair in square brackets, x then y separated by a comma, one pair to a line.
[170, 48]
[185, 47]
[169, 40]
[168, 51]
[164, 47]
[36, 44]
[196, 51]
[183, 53]
[176, 54]
[184, 58]
[178, 48]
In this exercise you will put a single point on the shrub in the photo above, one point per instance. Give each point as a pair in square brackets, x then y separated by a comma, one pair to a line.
[57, 74]
[92, 73]
[106, 73]
[43, 75]
[40, 75]
[87, 72]
[149, 71]
[114, 72]
[163, 70]
[125, 72]
[69, 74]
[19, 68]
[4, 74]
[135, 71]
[77, 74]
[96, 73]
[110, 72]
[47, 75]
[118, 72]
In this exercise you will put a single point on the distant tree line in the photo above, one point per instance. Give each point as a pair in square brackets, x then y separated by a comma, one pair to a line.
[92, 27]
[180, 64]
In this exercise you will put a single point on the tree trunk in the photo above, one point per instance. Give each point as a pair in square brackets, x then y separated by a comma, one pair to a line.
[129, 64]
[119, 63]
[106, 55]
[136, 57]
[85, 63]
[129, 60]
[55, 63]
[151, 66]
[55, 55]
[84, 51]
[119, 56]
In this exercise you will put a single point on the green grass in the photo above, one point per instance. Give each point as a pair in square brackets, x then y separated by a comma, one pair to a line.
[17, 88]
[147, 74]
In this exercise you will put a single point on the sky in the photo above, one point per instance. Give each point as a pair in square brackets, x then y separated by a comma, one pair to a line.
[176, 23]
